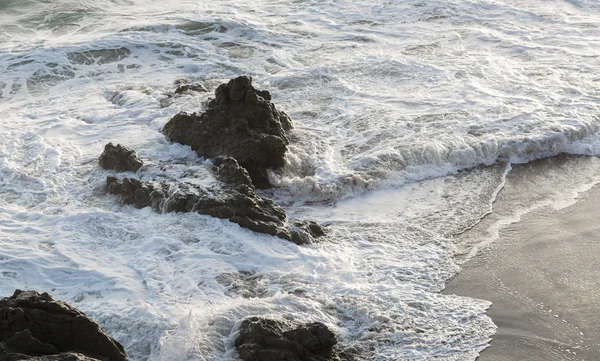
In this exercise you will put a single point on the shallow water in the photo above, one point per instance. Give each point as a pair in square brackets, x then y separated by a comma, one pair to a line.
[407, 117]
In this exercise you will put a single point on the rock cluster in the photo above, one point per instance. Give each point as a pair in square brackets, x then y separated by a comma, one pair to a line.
[262, 339]
[240, 122]
[244, 134]
[35, 326]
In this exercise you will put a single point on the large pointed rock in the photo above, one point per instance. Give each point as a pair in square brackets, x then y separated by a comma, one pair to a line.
[35, 326]
[241, 122]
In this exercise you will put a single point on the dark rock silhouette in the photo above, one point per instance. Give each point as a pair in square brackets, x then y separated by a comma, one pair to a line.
[120, 158]
[262, 339]
[234, 199]
[35, 326]
[241, 122]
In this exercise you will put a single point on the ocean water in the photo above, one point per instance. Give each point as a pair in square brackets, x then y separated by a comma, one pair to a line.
[408, 117]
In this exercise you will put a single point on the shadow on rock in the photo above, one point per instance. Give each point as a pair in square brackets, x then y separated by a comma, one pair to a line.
[35, 326]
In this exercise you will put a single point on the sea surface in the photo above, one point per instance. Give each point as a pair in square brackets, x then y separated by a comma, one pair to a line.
[408, 116]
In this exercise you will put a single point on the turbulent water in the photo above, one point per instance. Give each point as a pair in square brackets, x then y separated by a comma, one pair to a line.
[407, 117]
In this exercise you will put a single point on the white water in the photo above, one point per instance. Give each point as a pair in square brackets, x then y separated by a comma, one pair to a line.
[390, 101]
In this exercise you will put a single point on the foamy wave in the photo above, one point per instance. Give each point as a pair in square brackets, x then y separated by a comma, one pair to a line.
[327, 179]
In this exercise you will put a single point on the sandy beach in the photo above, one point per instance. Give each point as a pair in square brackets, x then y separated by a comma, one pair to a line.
[541, 270]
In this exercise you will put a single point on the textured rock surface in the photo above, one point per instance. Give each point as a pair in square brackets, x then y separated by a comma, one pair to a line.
[262, 339]
[235, 199]
[119, 158]
[241, 122]
[34, 326]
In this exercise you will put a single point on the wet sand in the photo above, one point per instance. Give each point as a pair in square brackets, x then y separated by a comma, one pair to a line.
[542, 275]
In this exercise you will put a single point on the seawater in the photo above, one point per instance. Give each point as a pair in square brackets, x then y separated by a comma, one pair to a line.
[407, 114]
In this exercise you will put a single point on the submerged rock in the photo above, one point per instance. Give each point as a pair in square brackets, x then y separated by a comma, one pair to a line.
[234, 199]
[240, 122]
[37, 327]
[194, 87]
[183, 88]
[262, 339]
[120, 158]
[245, 284]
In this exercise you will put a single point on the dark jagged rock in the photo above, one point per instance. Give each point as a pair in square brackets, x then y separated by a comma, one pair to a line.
[34, 326]
[303, 232]
[240, 122]
[120, 158]
[234, 199]
[258, 214]
[262, 339]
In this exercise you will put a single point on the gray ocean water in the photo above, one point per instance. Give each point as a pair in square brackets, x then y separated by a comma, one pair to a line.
[407, 114]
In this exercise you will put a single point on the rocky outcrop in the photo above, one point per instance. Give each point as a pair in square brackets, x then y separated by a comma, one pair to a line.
[234, 199]
[120, 158]
[35, 326]
[241, 122]
[262, 339]
[244, 134]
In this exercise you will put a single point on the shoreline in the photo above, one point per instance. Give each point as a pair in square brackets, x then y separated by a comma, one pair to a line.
[540, 275]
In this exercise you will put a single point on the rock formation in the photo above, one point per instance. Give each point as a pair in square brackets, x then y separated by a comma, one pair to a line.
[240, 122]
[244, 134]
[262, 339]
[120, 158]
[34, 326]
[234, 199]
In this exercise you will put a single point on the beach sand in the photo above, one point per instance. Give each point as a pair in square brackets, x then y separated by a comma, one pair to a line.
[541, 269]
